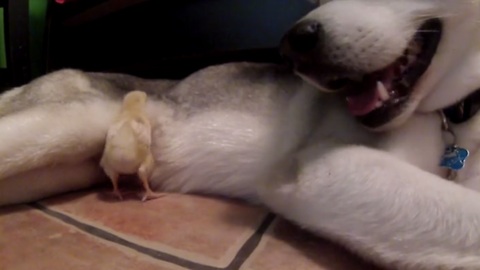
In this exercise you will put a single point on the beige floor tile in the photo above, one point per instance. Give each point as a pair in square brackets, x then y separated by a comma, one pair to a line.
[30, 240]
[203, 230]
[286, 247]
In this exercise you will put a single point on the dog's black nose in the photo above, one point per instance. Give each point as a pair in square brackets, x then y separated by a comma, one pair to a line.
[304, 36]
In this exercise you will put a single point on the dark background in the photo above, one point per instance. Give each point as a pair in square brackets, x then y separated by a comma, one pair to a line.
[153, 38]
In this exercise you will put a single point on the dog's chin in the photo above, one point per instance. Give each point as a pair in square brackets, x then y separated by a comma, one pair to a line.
[384, 99]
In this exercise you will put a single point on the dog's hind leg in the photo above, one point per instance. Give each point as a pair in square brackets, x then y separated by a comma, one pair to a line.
[49, 136]
[46, 181]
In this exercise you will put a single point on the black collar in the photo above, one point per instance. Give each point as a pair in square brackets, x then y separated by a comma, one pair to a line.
[464, 110]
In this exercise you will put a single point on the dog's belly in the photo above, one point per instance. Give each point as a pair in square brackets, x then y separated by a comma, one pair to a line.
[226, 151]
[220, 152]
[221, 137]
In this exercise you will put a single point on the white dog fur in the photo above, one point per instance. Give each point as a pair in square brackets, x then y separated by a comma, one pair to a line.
[253, 131]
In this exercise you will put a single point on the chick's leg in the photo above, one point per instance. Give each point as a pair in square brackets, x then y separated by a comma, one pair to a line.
[144, 173]
[114, 178]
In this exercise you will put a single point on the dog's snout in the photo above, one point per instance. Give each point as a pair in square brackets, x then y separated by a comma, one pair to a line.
[304, 36]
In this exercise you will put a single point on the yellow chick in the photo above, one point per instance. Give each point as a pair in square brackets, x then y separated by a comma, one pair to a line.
[127, 147]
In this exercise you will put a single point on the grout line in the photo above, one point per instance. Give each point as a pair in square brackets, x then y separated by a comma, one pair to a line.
[251, 244]
[245, 251]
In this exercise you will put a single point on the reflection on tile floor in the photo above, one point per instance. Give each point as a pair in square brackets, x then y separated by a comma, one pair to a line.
[90, 230]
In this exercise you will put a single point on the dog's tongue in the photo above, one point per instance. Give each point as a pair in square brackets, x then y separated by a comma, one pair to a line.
[364, 102]
[373, 92]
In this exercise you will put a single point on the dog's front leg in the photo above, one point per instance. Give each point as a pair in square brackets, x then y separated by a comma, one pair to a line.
[381, 208]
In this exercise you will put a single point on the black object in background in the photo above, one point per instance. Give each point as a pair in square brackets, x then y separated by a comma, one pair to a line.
[148, 38]
[169, 39]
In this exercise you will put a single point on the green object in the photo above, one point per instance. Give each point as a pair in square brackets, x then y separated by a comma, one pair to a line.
[37, 10]
[37, 29]
[3, 52]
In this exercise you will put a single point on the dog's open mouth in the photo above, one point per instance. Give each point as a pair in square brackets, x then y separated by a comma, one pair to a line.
[381, 96]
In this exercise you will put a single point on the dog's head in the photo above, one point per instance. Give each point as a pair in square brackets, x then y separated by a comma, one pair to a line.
[389, 58]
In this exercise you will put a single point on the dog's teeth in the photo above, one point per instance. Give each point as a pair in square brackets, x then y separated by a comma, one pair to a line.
[382, 91]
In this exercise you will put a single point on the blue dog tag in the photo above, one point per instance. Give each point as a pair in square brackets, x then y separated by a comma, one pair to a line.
[454, 158]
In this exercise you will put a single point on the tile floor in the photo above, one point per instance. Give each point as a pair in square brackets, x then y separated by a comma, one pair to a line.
[92, 230]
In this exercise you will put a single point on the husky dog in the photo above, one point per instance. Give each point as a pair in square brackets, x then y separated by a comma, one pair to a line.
[349, 149]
